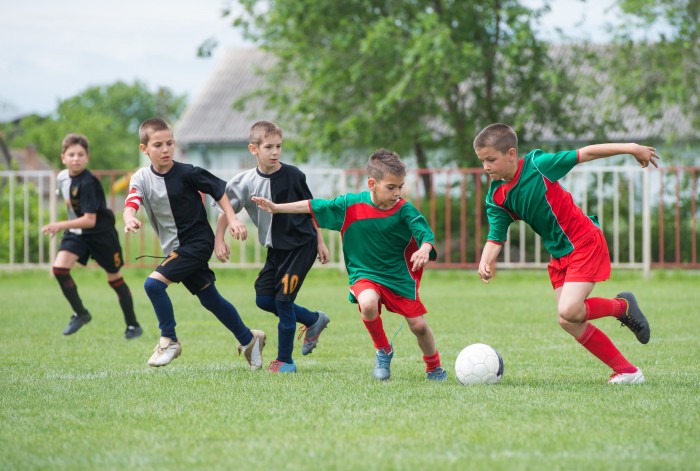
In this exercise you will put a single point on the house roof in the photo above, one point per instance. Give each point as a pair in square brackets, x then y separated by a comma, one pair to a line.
[211, 118]
[28, 159]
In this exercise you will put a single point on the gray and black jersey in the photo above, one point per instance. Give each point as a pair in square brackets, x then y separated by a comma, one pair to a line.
[83, 193]
[175, 206]
[286, 185]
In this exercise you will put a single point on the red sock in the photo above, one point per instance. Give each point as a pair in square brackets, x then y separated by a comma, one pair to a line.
[432, 362]
[596, 342]
[603, 307]
[376, 331]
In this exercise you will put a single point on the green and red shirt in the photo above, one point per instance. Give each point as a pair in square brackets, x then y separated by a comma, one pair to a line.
[377, 243]
[535, 196]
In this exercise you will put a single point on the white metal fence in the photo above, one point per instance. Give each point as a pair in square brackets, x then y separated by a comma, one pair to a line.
[619, 196]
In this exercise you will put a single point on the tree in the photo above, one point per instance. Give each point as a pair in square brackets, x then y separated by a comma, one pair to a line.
[418, 76]
[656, 63]
[108, 115]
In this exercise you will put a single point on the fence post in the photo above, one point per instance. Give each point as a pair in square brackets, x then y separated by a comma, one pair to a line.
[646, 227]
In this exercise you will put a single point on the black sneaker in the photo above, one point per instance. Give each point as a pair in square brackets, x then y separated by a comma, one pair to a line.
[634, 319]
[133, 332]
[76, 322]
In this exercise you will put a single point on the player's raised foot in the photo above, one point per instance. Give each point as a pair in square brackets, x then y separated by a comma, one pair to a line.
[253, 351]
[133, 332]
[634, 319]
[627, 378]
[166, 351]
[281, 367]
[76, 322]
[312, 333]
[382, 365]
[438, 374]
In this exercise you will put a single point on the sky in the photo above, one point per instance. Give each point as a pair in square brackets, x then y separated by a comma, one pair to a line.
[52, 49]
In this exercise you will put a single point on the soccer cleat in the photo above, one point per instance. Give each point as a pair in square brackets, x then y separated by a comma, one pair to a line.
[133, 332]
[277, 366]
[382, 365]
[627, 378]
[76, 322]
[634, 319]
[312, 333]
[253, 351]
[438, 374]
[166, 351]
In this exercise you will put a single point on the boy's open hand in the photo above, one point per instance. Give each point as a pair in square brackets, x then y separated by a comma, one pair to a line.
[221, 250]
[52, 229]
[264, 204]
[238, 230]
[646, 155]
[420, 257]
[132, 225]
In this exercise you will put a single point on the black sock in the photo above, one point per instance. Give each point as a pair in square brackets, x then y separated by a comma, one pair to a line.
[70, 291]
[125, 301]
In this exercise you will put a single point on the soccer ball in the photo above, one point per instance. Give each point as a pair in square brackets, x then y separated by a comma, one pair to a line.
[479, 364]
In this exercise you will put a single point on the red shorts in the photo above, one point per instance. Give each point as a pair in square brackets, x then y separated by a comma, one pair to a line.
[393, 302]
[589, 262]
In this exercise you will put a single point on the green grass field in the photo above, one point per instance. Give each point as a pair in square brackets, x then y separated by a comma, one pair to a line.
[89, 401]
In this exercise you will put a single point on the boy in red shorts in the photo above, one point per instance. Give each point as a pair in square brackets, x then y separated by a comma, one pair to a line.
[386, 244]
[528, 189]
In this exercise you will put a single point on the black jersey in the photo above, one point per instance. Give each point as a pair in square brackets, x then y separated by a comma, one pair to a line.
[175, 207]
[83, 193]
[286, 185]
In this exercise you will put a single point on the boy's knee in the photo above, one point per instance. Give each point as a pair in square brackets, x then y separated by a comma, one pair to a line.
[266, 303]
[369, 311]
[154, 287]
[571, 314]
[418, 325]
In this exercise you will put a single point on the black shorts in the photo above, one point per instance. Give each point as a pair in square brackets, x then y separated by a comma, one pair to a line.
[193, 272]
[103, 247]
[285, 271]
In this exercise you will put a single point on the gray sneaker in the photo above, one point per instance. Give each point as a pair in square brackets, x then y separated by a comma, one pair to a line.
[76, 322]
[311, 334]
[634, 319]
[382, 365]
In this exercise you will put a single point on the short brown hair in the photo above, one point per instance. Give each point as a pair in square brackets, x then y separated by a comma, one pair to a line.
[150, 126]
[73, 139]
[384, 161]
[261, 130]
[498, 136]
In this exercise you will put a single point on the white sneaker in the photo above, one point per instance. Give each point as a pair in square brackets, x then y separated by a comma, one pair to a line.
[627, 378]
[253, 351]
[166, 351]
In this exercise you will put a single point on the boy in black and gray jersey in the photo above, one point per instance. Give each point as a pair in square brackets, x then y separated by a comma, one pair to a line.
[169, 191]
[293, 241]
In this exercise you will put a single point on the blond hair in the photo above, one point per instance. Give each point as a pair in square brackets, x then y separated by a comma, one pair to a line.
[261, 130]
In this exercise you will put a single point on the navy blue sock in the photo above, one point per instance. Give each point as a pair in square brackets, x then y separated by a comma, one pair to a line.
[285, 330]
[155, 289]
[303, 315]
[225, 312]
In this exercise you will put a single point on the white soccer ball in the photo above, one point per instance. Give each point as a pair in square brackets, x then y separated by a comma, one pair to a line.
[479, 364]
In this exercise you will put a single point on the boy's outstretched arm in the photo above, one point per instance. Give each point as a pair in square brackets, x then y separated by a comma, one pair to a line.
[645, 155]
[298, 207]
[487, 265]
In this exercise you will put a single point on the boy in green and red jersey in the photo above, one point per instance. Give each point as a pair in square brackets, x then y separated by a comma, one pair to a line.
[527, 189]
[386, 244]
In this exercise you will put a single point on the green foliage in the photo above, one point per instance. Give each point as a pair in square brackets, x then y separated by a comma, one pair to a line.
[89, 401]
[108, 115]
[414, 76]
[656, 60]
